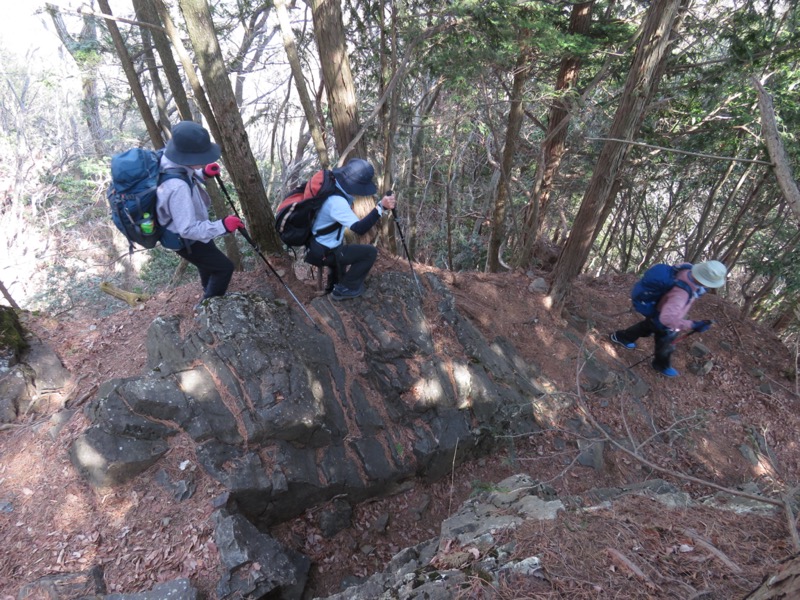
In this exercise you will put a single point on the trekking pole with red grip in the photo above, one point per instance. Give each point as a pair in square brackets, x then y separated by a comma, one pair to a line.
[214, 171]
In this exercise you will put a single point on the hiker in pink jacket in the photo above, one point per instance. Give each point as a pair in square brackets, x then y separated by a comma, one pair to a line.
[672, 308]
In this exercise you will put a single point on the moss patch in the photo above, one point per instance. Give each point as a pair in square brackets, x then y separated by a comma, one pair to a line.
[12, 336]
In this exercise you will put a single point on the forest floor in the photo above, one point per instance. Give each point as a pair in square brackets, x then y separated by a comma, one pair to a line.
[53, 521]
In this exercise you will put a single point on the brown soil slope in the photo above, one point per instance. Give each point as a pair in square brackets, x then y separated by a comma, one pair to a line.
[692, 424]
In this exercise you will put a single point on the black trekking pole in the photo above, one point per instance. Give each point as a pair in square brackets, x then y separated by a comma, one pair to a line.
[250, 241]
[403, 239]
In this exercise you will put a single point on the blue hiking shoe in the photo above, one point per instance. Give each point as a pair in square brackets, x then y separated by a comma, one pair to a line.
[667, 371]
[341, 292]
[628, 345]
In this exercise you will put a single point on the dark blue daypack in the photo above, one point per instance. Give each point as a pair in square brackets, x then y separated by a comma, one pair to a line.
[657, 281]
[135, 178]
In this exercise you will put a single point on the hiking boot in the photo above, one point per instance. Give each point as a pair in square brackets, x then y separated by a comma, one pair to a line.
[341, 292]
[667, 371]
[628, 345]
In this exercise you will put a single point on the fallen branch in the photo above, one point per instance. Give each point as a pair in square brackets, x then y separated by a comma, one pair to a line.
[131, 298]
[706, 545]
[623, 561]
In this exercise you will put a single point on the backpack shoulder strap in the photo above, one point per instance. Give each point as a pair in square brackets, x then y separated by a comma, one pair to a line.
[175, 174]
[682, 284]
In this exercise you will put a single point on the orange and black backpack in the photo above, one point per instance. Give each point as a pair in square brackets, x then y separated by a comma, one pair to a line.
[295, 214]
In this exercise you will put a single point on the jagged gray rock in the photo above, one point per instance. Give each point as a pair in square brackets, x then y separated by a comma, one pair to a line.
[256, 382]
[256, 379]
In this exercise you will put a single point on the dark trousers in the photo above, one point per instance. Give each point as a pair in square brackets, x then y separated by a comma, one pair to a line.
[351, 263]
[663, 336]
[215, 268]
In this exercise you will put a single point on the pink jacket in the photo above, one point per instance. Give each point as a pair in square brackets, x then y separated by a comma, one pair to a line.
[674, 306]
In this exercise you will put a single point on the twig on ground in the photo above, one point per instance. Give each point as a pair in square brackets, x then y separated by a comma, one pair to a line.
[623, 561]
[452, 481]
[791, 521]
[701, 541]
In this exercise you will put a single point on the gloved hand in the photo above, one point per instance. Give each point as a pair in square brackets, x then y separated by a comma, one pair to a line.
[211, 170]
[701, 326]
[232, 223]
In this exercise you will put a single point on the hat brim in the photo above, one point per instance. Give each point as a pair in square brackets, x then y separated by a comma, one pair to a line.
[712, 283]
[365, 189]
[200, 158]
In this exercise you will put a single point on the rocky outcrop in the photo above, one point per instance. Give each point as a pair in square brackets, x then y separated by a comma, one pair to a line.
[285, 419]
[32, 377]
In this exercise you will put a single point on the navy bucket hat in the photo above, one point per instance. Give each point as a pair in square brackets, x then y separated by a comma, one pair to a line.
[191, 145]
[355, 177]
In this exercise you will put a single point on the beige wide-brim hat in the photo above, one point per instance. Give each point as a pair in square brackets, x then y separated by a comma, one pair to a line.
[711, 273]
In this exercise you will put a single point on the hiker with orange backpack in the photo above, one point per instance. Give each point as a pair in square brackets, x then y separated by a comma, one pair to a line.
[664, 296]
[183, 205]
[350, 262]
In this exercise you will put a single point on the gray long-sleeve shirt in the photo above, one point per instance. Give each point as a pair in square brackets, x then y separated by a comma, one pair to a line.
[183, 209]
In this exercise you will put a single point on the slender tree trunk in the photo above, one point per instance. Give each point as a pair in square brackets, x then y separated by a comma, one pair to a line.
[416, 176]
[388, 117]
[332, 45]
[697, 245]
[331, 41]
[84, 51]
[317, 134]
[239, 159]
[713, 231]
[639, 87]
[554, 144]
[152, 67]
[513, 127]
[133, 79]
[162, 45]
[4, 291]
[777, 153]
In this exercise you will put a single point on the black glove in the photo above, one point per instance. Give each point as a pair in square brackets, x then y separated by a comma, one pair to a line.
[701, 326]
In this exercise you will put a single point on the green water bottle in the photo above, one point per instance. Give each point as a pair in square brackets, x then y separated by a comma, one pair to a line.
[147, 224]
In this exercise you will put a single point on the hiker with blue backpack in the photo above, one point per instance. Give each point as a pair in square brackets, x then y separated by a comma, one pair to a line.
[664, 295]
[350, 262]
[182, 206]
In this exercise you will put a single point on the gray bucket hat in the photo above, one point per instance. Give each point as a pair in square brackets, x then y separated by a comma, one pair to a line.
[711, 273]
[191, 145]
[355, 177]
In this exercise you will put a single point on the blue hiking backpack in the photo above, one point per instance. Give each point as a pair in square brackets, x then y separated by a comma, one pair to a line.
[657, 281]
[135, 178]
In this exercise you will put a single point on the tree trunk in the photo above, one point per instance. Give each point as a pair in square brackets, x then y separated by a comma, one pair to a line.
[133, 79]
[84, 52]
[332, 46]
[515, 115]
[152, 67]
[639, 87]
[239, 159]
[317, 134]
[7, 296]
[331, 41]
[162, 45]
[415, 173]
[188, 67]
[388, 118]
[777, 153]
[554, 144]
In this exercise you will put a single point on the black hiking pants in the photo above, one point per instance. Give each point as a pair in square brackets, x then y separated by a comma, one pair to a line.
[215, 268]
[663, 337]
[350, 263]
